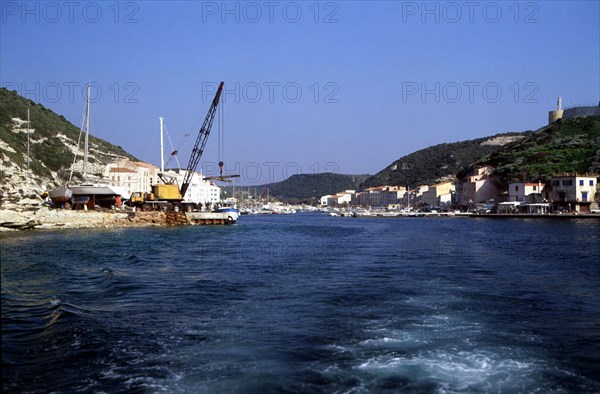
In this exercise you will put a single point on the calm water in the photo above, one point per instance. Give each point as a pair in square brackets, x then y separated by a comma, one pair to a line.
[305, 303]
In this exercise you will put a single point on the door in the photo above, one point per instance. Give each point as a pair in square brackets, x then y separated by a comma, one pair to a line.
[562, 196]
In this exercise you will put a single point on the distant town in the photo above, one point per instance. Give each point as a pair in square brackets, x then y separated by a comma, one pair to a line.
[566, 193]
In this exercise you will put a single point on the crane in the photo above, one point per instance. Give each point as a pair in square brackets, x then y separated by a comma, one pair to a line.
[169, 192]
[201, 141]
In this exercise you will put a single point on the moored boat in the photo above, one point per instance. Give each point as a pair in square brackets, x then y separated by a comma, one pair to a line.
[231, 214]
[224, 215]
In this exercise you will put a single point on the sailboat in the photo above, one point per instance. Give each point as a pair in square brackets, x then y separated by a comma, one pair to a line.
[60, 195]
[90, 194]
[87, 194]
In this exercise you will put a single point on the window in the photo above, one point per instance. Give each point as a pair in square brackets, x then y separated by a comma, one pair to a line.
[584, 196]
[567, 182]
[591, 182]
[516, 188]
[581, 182]
[555, 183]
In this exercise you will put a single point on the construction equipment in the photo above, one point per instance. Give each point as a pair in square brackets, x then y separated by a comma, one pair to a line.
[201, 141]
[168, 194]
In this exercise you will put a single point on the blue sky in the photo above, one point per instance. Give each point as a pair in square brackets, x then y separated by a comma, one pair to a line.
[311, 86]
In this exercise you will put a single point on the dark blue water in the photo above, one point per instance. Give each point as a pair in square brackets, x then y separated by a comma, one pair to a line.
[305, 303]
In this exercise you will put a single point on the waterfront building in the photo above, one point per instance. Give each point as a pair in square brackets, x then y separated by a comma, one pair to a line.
[340, 198]
[414, 197]
[324, 200]
[374, 195]
[477, 188]
[439, 194]
[131, 176]
[573, 192]
[392, 196]
[380, 196]
[364, 198]
[521, 191]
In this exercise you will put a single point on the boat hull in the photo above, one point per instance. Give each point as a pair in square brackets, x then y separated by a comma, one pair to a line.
[221, 216]
[60, 194]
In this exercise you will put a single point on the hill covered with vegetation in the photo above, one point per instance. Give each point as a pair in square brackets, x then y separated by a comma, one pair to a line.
[304, 187]
[51, 144]
[567, 146]
[443, 161]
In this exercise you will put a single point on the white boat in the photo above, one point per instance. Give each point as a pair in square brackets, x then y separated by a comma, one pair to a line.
[210, 218]
[286, 211]
[224, 215]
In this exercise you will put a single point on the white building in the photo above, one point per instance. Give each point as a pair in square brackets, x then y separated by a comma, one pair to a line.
[199, 190]
[128, 177]
[340, 198]
[131, 176]
[337, 199]
[518, 191]
[574, 192]
[324, 200]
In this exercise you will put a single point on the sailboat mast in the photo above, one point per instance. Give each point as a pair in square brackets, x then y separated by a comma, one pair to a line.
[28, 132]
[87, 133]
[162, 157]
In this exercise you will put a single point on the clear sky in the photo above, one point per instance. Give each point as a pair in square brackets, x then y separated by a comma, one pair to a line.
[342, 86]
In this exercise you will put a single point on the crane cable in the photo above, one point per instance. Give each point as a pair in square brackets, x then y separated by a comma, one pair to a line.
[221, 135]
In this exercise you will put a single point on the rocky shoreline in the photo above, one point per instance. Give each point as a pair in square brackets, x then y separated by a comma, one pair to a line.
[46, 218]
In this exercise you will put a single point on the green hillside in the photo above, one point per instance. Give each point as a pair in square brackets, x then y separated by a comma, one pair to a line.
[569, 146]
[429, 165]
[47, 151]
[305, 187]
